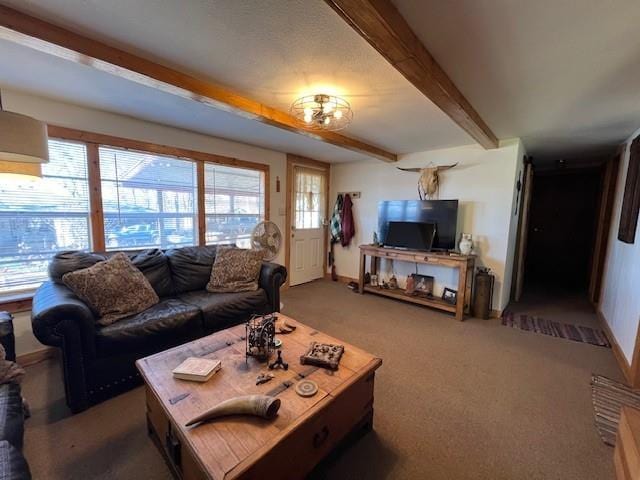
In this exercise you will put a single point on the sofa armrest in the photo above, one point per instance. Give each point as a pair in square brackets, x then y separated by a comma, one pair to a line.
[57, 312]
[272, 277]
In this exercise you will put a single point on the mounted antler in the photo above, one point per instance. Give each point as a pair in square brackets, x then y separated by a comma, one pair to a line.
[429, 182]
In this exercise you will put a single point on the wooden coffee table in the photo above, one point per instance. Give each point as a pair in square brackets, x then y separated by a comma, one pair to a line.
[289, 446]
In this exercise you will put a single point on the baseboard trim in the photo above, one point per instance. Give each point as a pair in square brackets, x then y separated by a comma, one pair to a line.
[341, 278]
[38, 356]
[617, 351]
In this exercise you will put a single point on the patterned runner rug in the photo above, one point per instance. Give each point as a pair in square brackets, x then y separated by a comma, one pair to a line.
[608, 398]
[577, 333]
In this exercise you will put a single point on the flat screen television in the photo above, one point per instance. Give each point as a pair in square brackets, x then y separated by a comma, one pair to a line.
[441, 213]
[411, 235]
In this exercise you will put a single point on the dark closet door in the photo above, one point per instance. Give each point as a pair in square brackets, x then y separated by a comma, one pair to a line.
[562, 228]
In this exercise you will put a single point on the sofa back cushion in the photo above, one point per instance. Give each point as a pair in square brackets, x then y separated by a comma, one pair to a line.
[152, 263]
[191, 267]
[65, 262]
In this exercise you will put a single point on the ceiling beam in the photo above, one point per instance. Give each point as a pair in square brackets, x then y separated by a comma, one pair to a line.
[380, 24]
[32, 32]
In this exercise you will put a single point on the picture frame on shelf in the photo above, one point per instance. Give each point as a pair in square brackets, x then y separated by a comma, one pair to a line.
[422, 285]
[450, 295]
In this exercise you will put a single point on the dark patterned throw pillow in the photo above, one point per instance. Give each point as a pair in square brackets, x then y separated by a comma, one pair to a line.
[114, 289]
[235, 270]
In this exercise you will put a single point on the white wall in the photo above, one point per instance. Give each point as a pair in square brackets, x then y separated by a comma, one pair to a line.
[484, 183]
[72, 116]
[620, 298]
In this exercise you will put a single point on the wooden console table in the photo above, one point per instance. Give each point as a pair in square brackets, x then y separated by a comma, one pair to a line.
[464, 264]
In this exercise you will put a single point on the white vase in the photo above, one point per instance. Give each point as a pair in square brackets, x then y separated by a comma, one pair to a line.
[466, 244]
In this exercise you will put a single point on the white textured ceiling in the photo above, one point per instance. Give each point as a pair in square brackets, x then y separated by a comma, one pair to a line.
[564, 75]
[82, 85]
[270, 50]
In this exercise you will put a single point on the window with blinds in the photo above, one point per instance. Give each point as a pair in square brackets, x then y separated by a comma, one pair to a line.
[234, 203]
[43, 216]
[148, 200]
[309, 198]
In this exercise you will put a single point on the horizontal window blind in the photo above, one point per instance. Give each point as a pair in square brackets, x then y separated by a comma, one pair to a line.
[41, 217]
[148, 200]
[309, 198]
[234, 203]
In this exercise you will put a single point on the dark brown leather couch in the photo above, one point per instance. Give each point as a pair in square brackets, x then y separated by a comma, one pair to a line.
[13, 465]
[99, 361]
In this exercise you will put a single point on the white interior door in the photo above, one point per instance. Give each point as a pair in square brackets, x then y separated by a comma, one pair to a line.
[307, 225]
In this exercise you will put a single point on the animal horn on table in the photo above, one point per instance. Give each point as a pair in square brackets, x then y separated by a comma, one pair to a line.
[255, 405]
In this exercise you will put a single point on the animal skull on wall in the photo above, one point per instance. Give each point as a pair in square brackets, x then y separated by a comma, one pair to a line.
[429, 181]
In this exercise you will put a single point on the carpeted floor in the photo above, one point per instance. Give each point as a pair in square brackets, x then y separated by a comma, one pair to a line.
[470, 400]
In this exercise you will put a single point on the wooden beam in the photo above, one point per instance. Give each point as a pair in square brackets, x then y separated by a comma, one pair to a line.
[380, 24]
[32, 32]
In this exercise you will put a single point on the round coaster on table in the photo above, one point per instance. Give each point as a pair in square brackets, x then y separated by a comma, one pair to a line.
[306, 388]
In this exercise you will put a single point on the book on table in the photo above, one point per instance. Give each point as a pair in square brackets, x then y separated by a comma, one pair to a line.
[197, 369]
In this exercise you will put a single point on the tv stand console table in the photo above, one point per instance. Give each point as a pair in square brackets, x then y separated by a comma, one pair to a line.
[464, 264]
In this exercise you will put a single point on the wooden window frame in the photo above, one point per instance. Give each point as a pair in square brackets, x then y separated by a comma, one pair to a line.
[93, 141]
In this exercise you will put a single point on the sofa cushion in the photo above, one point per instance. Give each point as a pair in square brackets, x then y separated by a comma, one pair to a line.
[221, 310]
[191, 267]
[11, 414]
[65, 262]
[152, 263]
[235, 270]
[168, 319]
[13, 465]
[114, 289]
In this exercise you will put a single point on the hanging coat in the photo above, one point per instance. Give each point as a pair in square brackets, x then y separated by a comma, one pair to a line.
[348, 225]
[335, 224]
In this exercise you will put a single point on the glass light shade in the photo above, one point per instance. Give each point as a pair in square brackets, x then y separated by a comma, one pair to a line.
[22, 139]
[322, 112]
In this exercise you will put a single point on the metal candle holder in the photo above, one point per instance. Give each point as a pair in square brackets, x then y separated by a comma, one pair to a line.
[260, 336]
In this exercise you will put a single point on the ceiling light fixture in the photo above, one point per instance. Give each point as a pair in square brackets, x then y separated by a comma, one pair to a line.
[322, 112]
[23, 144]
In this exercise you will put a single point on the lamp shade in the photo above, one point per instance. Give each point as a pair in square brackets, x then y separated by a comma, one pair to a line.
[22, 139]
[26, 169]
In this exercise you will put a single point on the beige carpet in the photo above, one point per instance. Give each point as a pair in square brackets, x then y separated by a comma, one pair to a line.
[471, 400]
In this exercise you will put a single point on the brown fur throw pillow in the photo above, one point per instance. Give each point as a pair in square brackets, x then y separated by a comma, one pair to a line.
[114, 289]
[235, 270]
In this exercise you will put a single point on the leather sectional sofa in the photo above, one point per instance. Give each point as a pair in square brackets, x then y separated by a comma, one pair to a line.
[13, 465]
[99, 361]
